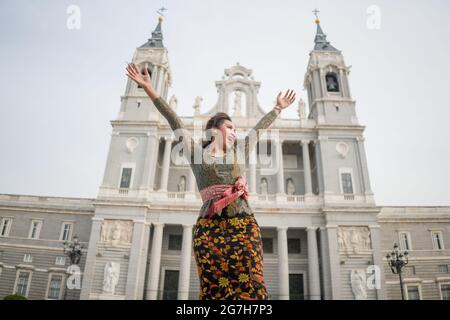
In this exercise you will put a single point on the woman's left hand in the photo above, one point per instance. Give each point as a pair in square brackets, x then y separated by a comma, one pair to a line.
[286, 100]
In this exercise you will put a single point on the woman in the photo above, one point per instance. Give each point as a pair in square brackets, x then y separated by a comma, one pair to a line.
[226, 237]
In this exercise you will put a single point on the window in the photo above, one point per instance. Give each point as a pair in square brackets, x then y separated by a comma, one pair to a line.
[296, 290]
[125, 180]
[66, 231]
[445, 291]
[35, 229]
[22, 283]
[347, 185]
[443, 268]
[331, 80]
[413, 292]
[170, 290]
[27, 258]
[267, 245]
[405, 241]
[436, 237]
[175, 241]
[54, 287]
[5, 226]
[60, 261]
[294, 245]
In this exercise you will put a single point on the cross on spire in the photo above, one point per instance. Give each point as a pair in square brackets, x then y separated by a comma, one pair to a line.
[161, 11]
[315, 11]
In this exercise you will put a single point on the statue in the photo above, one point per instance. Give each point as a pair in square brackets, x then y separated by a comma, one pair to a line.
[290, 187]
[263, 187]
[301, 109]
[173, 102]
[358, 283]
[237, 103]
[198, 101]
[111, 277]
[182, 184]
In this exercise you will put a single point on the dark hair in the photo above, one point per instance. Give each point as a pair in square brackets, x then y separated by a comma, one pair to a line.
[214, 122]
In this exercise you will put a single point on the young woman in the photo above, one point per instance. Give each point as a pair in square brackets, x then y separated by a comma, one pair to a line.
[226, 237]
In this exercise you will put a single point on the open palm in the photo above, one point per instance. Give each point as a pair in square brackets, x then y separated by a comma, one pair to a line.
[286, 100]
[137, 76]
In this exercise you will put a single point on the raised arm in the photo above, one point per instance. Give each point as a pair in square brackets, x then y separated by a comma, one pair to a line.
[163, 107]
[253, 136]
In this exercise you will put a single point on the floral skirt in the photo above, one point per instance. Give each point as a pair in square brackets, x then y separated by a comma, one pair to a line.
[229, 256]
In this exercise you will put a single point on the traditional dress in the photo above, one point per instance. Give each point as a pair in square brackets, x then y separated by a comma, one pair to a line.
[226, 237]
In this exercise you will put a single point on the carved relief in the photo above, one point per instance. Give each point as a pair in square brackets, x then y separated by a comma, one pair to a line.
[342, 148]
[116, 232]
[354, 239]
[131, 144]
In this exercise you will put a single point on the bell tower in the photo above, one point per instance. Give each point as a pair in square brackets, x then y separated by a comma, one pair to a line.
[326, 81]
[134, 137]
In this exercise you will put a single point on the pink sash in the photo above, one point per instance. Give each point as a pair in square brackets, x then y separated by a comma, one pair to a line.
[227, 194]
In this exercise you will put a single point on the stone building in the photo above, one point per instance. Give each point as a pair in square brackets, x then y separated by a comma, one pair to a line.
[323, 235]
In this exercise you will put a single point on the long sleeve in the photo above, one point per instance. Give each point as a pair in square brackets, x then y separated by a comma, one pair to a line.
[253, 136]
[177, 126]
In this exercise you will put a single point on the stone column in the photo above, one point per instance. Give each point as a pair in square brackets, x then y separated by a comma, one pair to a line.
[160, 80]
[155, 77]
[322, 84]
[341, 83]
[253, 160]
[155, 262]
[313, 264]
[334, 260]
[363, 162]
[306, 167]
[166, 164]
[375, 237]
[280, 173]
[148, 175]
[192, 182]
[88, 273]
[185, 265]
[136, 269]
[325, 258]
[319, 167]
[283, 264]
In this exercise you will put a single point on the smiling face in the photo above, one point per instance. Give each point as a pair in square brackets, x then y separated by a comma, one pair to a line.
[226, 132]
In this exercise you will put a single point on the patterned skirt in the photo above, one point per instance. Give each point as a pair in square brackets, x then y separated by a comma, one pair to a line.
[229, 256]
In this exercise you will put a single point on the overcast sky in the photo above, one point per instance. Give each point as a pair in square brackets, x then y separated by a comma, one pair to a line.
[60, 87]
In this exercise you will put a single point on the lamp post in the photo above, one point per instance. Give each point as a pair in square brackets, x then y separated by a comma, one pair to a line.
[397, 260]
[73, 251]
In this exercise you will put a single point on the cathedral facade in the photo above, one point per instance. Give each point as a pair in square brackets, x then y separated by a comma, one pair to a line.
[324, 237]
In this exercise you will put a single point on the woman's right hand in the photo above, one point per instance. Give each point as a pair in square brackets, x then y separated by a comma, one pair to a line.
[141, 79]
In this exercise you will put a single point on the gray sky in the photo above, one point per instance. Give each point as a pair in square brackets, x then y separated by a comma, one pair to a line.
[61, 87]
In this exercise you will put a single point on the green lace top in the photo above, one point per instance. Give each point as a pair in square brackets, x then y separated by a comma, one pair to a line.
[210, 170]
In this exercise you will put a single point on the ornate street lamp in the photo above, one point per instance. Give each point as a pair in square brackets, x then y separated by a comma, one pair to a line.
[397, 261]
[73, 251]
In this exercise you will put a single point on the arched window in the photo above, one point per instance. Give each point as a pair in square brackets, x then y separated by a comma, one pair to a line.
[332, 82]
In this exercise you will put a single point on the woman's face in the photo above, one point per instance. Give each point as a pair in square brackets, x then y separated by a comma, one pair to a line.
[226, 132]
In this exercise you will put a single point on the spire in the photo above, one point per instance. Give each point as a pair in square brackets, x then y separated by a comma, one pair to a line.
[320, 41]
[156, 41]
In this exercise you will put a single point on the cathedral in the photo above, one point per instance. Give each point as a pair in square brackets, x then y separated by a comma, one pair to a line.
[324, 237]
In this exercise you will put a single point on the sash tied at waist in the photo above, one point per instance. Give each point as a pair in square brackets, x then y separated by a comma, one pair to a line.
[225, 194]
